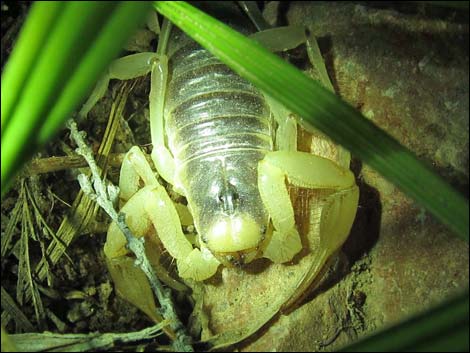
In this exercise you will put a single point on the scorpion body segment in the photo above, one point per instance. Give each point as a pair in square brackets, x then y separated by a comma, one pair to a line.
[218, 127]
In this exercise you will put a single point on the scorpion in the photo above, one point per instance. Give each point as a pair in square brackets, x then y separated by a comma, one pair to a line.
[229, 150]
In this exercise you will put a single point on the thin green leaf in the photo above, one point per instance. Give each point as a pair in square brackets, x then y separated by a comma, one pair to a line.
[443, 328]
[322, 109]
[23, 59]
[125, 18]
[77, 46]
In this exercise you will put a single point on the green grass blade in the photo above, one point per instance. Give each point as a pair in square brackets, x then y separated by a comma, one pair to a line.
[78, 46]
[125, 18]
[443, 328]
[62, 50]
[325, 111]
[463, 5]
[22, 60]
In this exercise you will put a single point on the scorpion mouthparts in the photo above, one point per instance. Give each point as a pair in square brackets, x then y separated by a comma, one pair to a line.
[238, 258]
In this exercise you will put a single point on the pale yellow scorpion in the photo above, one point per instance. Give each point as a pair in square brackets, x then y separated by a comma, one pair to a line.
[229, 150]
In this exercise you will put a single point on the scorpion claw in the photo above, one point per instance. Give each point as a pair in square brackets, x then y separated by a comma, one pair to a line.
[198, 265]
[282, 248]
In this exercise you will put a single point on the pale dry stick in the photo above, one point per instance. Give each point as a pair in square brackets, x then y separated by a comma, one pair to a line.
[58, 163]
[52, 342]
[101, 195]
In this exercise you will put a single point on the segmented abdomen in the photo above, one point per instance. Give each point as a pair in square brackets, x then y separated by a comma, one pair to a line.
[211, 110]
[218, 127]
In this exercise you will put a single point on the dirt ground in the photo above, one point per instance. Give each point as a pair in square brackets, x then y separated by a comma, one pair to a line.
[405, 67]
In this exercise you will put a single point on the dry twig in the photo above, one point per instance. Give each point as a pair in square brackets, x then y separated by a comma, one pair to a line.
[104, 196]
[51, 342]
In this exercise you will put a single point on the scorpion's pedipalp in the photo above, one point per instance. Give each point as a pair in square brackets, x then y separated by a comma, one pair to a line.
[285, 241]
[337, 216]
[192, 263]
[161, 211]
[198, 265]
[331, 220]
[310, 171]
[129, 280]
[134, 168]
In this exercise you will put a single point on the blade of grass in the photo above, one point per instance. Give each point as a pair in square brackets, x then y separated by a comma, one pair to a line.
[92, 32]
[68, 39]
[125, 18]
[22, 60]
[464, 5]
[443, 328]
[322, 109]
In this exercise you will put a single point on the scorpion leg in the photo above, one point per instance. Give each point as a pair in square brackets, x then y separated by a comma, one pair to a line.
[150, 213]
[161, 156]
[286, 133]
[335, 217]
[274, 39]
[124, 68]
[278, 40]
[281, 39]
[137, 65]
